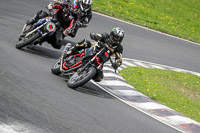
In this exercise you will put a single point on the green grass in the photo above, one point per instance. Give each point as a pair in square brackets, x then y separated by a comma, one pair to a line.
[179, 91]
[177, 17]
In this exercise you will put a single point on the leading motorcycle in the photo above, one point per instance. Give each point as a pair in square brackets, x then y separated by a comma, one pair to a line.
[81, 67]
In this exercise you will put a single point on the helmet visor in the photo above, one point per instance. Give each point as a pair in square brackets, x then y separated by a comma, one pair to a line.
[116, 39]
[85, 6]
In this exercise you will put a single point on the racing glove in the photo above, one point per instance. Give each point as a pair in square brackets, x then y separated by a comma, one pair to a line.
[100, 44]
[50, 6]
[95, 36]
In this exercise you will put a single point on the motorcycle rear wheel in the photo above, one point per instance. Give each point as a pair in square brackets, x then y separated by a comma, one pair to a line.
[26, 42]
[77, 80]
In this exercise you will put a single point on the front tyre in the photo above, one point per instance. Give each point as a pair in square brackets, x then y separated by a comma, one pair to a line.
[56, 68]
[24, 42]
[79, 79]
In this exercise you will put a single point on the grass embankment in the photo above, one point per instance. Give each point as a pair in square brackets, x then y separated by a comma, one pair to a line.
[179, 91]
[177, 17]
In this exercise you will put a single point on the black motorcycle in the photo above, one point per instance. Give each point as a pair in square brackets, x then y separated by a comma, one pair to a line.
[34, 34]
[83, 66]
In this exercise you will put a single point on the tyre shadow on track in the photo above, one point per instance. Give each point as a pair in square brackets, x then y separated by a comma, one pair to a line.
[44, 51]
[91, 89]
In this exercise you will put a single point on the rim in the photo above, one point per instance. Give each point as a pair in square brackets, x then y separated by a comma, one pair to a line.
[57, 64]
[77, 77]
[21, 41]
[74, 78]
[24, 39]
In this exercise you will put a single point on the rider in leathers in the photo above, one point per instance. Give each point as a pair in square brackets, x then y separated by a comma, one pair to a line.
[85, 11]
[113, 40]
[67, 16]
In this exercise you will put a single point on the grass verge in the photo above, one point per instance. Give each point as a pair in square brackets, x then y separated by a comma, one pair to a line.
[179, 91]
[177, 17]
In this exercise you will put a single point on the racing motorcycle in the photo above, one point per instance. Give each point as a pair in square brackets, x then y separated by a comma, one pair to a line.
[39, 31]
[81, 67]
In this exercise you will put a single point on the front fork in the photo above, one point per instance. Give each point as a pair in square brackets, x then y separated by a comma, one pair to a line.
[23, 29]
[61, 63]
[62, 56]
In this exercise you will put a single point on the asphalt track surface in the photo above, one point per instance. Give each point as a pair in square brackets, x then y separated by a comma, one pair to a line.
[34, 100]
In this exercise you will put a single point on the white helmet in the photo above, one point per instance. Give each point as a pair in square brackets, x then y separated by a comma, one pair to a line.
[85, 5]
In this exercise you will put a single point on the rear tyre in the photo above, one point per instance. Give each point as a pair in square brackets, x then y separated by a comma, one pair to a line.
[77, 80]
[22, 43]
[56, 68]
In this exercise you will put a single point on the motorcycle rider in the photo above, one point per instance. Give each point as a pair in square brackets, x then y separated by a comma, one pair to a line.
[113, 40]
[85, 12]
[67, 16]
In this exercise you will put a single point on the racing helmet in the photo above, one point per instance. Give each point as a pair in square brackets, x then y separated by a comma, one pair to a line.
[116, 36]
[85, 5]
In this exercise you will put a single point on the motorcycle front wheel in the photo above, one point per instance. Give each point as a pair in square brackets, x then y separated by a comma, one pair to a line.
[56, 68]
[24, 42]
[79, 79]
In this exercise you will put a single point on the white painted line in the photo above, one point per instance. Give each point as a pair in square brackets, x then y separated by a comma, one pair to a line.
[158, 67]
[150, 105]
[195, 73]
[179, 70]
[169, 67]
[141, 64]
[182, 120]
[123, 66]
[117, 83]
[109, 69]
[127, 63]
[128, 93]
[130, 104]
[113, 75]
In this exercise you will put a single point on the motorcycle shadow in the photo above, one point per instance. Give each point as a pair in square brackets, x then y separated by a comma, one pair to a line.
[91, 89]
[42, 51]
[46, 52]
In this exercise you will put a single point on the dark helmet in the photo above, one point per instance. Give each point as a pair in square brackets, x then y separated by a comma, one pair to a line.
[116, 35]
[75, 8]
[85, 5]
